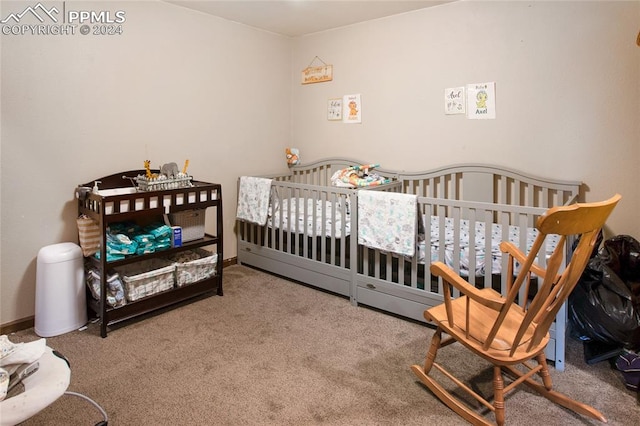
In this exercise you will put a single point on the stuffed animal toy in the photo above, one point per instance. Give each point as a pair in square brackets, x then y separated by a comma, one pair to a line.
[293, 156]
[170, 170]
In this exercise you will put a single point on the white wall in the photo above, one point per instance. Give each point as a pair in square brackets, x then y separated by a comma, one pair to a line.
[567, 87]
[179, 84]
[176, 85]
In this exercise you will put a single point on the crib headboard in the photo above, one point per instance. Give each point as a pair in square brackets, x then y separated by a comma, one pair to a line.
[468, 182]
[490, 184]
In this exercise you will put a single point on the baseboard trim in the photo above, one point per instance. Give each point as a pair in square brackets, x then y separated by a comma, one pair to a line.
[21, 324]
[24, 323]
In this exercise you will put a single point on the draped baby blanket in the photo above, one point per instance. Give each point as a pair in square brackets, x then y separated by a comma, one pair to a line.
[358, 176]
[253, 199]
[388, 221]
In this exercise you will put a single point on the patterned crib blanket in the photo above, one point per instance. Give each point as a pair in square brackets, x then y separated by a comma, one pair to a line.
[495, 257]
[317, 219]
[358, 176]
[253, 199]
[388, 221]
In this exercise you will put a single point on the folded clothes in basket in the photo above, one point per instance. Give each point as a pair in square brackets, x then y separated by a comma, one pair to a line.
[185, 256]
[194, 265]
[147, 277]
[115, 290]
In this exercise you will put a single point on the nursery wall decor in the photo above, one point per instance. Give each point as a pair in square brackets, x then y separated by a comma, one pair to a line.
[334, 109]
[318, 73]
[352, 109]
[481, 101]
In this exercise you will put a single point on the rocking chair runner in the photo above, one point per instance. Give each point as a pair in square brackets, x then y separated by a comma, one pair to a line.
[503, 332]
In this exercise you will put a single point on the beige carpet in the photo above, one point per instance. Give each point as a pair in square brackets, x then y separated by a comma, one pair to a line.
[275, 352]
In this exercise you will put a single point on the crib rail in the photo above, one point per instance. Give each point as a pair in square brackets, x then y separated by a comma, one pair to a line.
[492, 184]
[414, 272]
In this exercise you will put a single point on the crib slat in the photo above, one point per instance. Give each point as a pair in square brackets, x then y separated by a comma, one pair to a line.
[332, 249]
[473, 260]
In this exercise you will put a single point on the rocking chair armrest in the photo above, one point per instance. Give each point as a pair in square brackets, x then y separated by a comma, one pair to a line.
[455, 280]
[517, 254]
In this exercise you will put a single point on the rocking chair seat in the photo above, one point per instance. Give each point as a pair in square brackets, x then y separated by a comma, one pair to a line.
[481, 319]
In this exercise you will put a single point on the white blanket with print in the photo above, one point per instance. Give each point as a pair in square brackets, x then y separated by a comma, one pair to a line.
[388, 221]
[253, 199]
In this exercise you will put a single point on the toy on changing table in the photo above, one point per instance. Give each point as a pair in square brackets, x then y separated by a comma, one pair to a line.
[170, 177]
[293, 156]
[147, 167]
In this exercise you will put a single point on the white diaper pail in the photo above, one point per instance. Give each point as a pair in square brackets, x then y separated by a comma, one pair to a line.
[61, 304]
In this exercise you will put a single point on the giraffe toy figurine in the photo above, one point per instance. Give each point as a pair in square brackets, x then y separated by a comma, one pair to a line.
[147, 167]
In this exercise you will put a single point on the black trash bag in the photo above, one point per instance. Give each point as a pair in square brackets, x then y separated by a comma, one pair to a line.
[605, 304]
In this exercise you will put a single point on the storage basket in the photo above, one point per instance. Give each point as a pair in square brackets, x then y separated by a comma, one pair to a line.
[146, 278]
[194, 265]
[191, 222]
[115, 289]
[163, 183]
[89, 233]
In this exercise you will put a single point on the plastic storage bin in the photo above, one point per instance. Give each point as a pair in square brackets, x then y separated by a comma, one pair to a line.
[61, 304]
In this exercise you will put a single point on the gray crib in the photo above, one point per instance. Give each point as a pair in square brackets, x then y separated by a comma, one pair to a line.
[465, 211]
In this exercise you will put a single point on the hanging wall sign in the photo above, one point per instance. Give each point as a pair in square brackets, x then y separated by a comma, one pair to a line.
[317, 74]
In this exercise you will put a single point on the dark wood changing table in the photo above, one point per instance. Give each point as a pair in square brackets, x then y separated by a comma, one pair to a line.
[145, 207]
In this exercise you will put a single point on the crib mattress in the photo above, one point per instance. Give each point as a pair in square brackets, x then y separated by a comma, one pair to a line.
[311, 217]
[480, 237]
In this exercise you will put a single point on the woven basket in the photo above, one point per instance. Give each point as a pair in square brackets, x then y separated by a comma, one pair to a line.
[146, 278]
[191, 222]
[202, 266]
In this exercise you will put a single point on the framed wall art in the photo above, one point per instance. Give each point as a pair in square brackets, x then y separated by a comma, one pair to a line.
[334, 109]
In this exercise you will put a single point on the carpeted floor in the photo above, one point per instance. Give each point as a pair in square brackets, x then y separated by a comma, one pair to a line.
[279, 353]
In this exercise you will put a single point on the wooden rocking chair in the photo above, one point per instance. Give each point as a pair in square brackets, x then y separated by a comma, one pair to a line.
[503, 332]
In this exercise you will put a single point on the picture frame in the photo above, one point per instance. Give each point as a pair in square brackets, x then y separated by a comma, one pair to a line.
[334, 109]
[352, 106]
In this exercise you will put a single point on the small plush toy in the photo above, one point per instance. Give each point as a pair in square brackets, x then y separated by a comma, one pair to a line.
[170, 170]
[293, 156]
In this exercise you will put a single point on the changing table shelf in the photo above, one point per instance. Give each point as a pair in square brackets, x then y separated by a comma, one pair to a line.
[145, 207]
